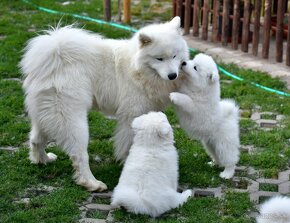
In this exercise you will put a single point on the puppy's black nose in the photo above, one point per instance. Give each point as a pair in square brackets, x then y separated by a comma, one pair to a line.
[183, 63]
[172, 76]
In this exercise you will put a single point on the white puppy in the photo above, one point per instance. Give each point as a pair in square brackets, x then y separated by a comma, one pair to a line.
[275, 210]
[205, 117]
[149, 179]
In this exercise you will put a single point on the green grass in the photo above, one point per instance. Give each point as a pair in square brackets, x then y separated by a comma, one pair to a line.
[17, 24]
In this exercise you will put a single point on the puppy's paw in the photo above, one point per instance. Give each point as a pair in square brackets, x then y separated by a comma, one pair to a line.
[185, 195]
[174, 97]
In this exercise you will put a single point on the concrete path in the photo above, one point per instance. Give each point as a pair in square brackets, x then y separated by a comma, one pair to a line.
[245, 60]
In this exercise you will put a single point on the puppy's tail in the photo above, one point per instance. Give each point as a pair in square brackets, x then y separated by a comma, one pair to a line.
[277, 209]
[46, 54]
[229, 109]
[133, 202]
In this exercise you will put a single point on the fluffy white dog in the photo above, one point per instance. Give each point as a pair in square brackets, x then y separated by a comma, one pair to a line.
[275, 210]
[205, 117]
[149, 179]
[68, 71]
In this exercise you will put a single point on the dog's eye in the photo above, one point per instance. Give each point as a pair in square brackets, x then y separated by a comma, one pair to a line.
[195, 68]
[160, 59]
[174, 56]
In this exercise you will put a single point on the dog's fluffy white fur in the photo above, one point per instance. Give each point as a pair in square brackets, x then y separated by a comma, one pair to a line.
[149, 179]
[68, 71]
[275, 210]
[204, 116]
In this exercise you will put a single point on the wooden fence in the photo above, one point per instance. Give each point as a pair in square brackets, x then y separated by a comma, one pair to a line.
[238, 22]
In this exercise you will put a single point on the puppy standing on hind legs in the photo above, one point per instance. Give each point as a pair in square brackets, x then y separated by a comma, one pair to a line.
[148, 183]
[205, 117]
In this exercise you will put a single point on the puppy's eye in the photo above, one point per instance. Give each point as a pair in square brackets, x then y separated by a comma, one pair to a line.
[160, 59]
[195, 68]
[174, 56]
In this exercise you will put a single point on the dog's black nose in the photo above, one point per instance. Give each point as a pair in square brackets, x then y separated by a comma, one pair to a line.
[183, 63]
[172, 76]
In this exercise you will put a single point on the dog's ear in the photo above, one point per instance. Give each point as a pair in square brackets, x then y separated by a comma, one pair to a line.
[144, 40]
[214, 77]
[175, 22]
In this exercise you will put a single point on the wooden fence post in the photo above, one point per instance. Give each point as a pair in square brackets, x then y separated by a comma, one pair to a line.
[266, 29]
[195, 28]
[246, 26]
[127, 11]
[288, 43]
[215, 20]
[107, 10]
[205, 10]
[119, 11]
[225, 23]
[187, 16]
[236, 25]
[256, 31]
[280, 31]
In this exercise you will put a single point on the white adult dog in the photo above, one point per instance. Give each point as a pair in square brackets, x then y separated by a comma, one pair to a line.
[149, 179]
[68, 71]
[275, 210]
[205, 117]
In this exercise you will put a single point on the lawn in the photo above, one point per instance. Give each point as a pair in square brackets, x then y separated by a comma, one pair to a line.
[19, 179]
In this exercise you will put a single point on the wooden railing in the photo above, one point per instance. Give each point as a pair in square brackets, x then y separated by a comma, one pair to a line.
[238, 22]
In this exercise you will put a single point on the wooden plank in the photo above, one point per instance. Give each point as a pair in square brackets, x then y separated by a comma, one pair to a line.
[195, 28]
[187, 16]
[236, 24]
[215, 20]
[107, 10]
[280, 31]
[205, 19]
[256, 31]
[225, 23]
[246, 26]
[266, 29]
[288, 43]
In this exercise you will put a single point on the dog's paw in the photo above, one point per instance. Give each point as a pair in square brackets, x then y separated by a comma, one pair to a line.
[228, 173]
[36, 158]
[51, 157]
[93, 185]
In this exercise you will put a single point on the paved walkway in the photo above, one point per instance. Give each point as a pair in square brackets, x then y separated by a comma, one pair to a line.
[245, 60]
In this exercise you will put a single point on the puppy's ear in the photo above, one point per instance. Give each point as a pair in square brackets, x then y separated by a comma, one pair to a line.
[175, 22]
[137, 124]
[144, 40]
[214, 77]
[164, 130]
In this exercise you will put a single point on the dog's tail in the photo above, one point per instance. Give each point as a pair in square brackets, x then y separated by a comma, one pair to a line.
[229, 108]
[56, 48]
[277, 209]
